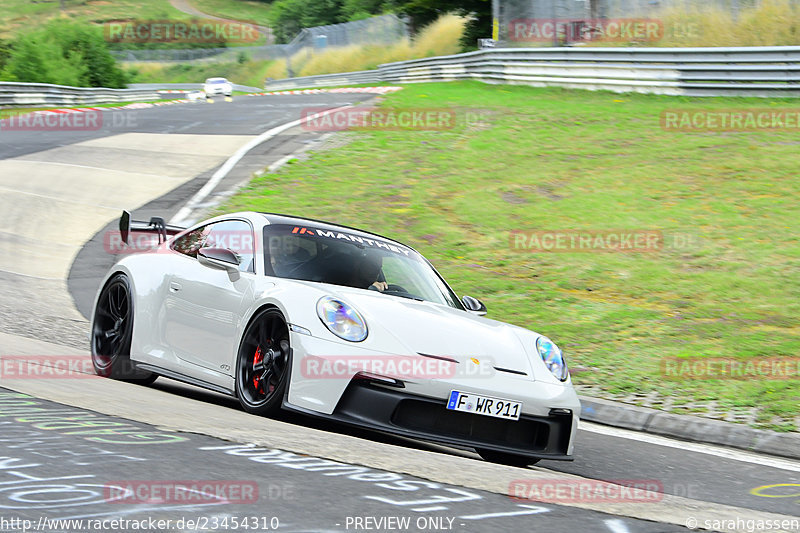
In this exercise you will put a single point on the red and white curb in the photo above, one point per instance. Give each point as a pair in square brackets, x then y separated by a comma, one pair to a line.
[72, 110]
[169, 102]
[372, 90]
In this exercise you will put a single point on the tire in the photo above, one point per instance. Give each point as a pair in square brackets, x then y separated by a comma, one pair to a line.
[509, 459]
[262, 365]
[112, 333]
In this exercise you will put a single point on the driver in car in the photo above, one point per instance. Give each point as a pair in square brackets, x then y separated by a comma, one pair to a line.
[285, 254]
[369, 273]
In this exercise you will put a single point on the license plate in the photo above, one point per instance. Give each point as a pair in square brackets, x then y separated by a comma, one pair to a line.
[484, 405]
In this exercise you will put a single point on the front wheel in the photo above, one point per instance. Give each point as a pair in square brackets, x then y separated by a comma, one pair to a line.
[112, 333]
[262, 366]
[509, 459]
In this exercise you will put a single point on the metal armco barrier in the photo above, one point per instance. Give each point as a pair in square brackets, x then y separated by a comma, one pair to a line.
[745, 71]
[327, 80]
[185, 87]
[47, 95]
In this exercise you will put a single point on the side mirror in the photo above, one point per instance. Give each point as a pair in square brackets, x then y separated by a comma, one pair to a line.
[219, 258]
[473, 305]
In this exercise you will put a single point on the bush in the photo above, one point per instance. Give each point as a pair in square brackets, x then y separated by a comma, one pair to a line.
[769, 23]
[252, 72]
[439, 38]
[64, 53]
[5, 53]
[288, 17]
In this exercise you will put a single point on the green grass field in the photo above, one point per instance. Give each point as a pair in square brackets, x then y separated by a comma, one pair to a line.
[249, 10]
[16, 15]
[551, 159]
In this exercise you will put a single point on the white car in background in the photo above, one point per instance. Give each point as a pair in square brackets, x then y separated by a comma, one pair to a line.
[217, 87]
[291, 313]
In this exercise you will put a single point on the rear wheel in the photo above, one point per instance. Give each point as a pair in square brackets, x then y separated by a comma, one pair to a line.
[262, 367]
[112, 333]
[509, 459]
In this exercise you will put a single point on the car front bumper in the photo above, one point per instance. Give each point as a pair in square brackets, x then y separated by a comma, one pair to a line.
[417, 407]
[396, 411]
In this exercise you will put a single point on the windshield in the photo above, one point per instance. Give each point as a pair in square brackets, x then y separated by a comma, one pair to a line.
[216, 80]
[327, 256]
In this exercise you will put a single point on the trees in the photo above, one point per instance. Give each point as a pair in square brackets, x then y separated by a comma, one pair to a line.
[288, 17]
[423, 12]
[64, 53]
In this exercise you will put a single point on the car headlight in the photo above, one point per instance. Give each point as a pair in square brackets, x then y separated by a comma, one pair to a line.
[341, 319]
[553, 358]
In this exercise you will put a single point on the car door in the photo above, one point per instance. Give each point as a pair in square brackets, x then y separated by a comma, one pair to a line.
[205, 306]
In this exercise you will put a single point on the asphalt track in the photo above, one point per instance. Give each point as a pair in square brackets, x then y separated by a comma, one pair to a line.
[60, 191]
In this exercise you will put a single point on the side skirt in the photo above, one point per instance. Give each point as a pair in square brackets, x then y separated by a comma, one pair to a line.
[185, 379]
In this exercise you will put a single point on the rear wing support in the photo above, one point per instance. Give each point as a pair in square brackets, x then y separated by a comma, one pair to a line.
[156, 225]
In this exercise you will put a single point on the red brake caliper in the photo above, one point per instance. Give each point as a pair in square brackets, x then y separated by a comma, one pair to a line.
[257, 358]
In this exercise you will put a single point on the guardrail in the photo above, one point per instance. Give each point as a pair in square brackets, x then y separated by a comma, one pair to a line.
[186, 87]
[46, 95]
[166, 55]
[326, 80]
[751, 71]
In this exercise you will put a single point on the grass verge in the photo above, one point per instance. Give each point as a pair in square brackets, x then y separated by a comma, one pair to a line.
[552, 159]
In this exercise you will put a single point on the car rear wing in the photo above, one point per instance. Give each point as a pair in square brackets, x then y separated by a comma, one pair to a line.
[156, 225]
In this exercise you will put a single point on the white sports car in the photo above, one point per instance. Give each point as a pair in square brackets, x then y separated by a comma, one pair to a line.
[291, 313]
[217, 87]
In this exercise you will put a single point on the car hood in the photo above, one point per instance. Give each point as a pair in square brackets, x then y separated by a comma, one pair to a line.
[439, 330]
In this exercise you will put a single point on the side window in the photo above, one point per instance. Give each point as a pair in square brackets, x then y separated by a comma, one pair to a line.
[189, 243]
[235, 235]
